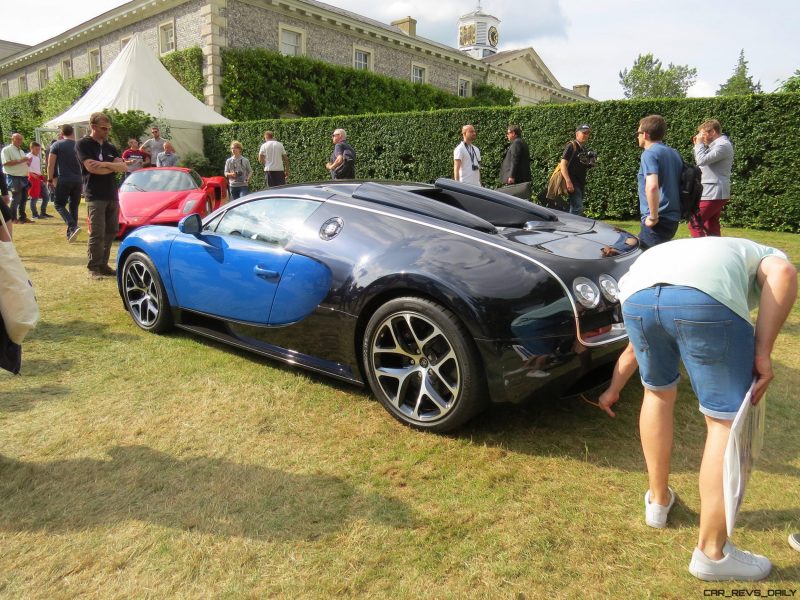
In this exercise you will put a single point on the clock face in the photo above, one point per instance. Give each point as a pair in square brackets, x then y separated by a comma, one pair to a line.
[493, 36]
[466, 35]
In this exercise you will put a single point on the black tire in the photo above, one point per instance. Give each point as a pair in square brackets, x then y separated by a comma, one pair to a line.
[422, 365]
[144, 295]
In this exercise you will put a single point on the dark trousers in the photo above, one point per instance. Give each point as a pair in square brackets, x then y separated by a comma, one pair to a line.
[104, 223]
[18, 187]
[68, 194]
[275, 178]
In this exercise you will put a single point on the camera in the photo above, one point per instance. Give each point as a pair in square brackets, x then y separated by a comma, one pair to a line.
[238, 174]
[476, 167]
[588, 158]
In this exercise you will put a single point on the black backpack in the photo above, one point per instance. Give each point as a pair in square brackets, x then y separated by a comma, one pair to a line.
[691, 191]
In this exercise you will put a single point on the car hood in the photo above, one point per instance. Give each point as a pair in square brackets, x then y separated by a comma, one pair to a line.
[148, 204]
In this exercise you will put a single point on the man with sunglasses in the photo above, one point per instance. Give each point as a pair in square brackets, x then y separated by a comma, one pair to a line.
[100, 163]
[659, 183]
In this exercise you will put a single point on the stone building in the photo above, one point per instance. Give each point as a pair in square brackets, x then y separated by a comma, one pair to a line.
[293, 27]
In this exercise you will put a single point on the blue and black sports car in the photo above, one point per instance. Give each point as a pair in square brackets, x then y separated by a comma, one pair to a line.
[441, 297]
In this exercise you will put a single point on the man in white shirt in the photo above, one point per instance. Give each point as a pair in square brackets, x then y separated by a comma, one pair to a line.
[467, 158]
[273, 156]
[15, 165]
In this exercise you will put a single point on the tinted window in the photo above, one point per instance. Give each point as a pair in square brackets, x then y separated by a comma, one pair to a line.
[152, 180]
[271, 220]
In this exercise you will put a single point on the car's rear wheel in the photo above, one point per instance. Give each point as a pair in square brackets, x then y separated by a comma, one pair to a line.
[144, 294]
[422, 365]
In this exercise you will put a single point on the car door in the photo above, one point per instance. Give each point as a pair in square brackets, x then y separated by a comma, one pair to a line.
[233, 268]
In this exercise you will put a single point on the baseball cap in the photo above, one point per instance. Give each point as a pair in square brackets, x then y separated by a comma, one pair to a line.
[583, 127]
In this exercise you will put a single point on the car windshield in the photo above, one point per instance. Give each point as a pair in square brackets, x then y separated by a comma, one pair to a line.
[157, 180]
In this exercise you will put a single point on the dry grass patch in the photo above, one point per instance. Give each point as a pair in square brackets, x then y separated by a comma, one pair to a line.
[145, 466]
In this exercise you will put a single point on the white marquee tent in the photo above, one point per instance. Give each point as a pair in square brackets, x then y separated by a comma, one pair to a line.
[137, 80]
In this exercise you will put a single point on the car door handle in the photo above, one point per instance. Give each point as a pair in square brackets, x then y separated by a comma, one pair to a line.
[265, 273]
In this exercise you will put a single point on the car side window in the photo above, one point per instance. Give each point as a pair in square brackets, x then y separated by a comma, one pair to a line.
[273, 221]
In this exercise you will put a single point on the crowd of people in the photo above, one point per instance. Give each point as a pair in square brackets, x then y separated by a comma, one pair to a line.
[682, 301]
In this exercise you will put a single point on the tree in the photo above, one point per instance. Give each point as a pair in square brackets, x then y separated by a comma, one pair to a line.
[740, 83]
[127, 125]
[648, 79]
[792, 84]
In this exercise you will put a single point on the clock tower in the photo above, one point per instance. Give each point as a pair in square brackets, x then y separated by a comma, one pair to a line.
[477, 33]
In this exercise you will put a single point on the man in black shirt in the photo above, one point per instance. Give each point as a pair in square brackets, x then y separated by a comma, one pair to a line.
[574, 166]
[100, 162]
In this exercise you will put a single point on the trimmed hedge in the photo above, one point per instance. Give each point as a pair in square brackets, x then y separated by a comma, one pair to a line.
[258, 83]
[25, 112]
[418, 146]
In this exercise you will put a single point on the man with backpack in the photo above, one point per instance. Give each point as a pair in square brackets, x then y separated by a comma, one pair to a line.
[342, 164]
[713, 153]
[659, 183]
[660, 204]
[575, 161]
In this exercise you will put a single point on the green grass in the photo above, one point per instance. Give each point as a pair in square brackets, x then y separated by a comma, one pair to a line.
[135, 465]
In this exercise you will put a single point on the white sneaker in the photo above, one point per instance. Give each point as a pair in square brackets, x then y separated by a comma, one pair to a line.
[655, 515]
[794, 541]
[735, 565]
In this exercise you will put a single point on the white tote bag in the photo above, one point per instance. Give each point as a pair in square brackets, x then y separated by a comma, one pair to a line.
[17, 299]
[744, 447]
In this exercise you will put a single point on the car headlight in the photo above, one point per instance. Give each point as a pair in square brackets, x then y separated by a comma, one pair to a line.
[586, 292]
[188, 206]
[609, 288]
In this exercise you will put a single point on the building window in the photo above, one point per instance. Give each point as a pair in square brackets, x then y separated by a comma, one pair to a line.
[66, 68]
[22, 84]
[292, 41]
[362, 59]
[419, 74]
[166, 37]
[94, 60]
[4, 89]
[464, 87]
[124, 42]
[44, 78]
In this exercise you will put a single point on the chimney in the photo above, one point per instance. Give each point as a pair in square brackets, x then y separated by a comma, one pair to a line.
[582, 90]
[407, 26]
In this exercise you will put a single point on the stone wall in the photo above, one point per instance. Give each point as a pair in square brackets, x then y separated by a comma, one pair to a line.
[253, 25]
[186, 17]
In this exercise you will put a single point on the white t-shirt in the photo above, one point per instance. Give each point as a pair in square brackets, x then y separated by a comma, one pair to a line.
[273, 153]
[469, 155]
[723, 267]
[36, 163]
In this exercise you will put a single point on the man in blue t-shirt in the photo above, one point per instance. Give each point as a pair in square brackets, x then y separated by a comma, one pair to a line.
[659, 183]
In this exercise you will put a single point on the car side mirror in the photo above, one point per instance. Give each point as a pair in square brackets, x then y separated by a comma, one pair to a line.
[191, 224]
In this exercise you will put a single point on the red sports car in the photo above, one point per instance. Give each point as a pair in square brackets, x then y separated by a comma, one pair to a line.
[164, 195]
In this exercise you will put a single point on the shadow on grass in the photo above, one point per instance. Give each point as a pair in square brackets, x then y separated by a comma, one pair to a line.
[63, 261]
[29, 398]
[204, 494]
[52, 331]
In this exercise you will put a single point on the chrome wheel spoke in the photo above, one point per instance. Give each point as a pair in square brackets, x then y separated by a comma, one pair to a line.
[415, 366]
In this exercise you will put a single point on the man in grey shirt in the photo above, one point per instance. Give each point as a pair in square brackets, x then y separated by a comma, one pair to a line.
[154, 146]
[167, 158]
[713, 153]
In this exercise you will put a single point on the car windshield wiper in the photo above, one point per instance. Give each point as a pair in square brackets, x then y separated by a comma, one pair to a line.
[136, 187]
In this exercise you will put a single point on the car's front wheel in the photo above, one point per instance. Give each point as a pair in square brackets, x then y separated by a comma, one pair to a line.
[144, 294]
[422, 365]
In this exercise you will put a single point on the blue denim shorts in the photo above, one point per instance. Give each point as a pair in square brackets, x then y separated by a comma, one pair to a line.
[666, 323]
